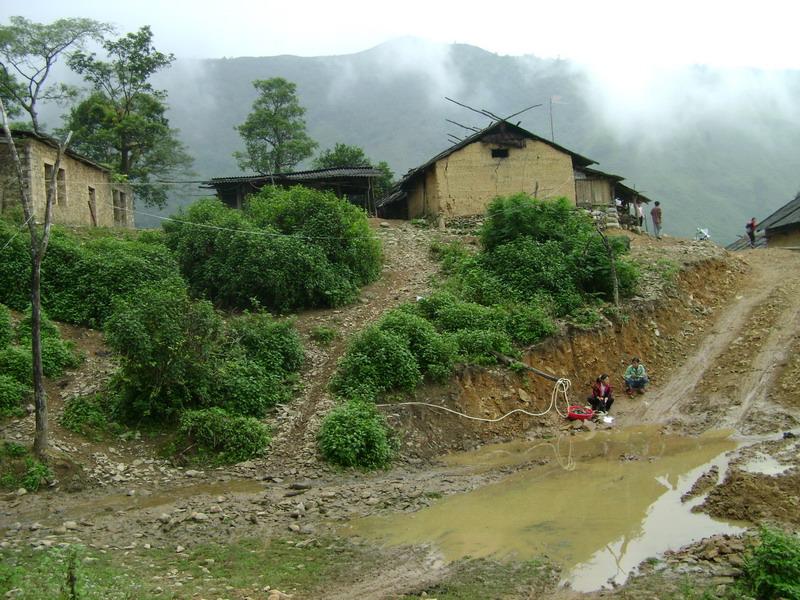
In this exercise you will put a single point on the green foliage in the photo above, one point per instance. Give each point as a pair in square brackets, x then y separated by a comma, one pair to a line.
[6, 330]
[520, 216]
[356, 435]
[529, 323]
[12, 394]
[81, 278]
[433, 352]
[478, 346]
[449, 255]
[57, 354]
[274, 132]
[342, 155]
[772, 570]
[123, 123]
[88, 415]
[376, 361]
[28, 52]
[229, 438]
[36, 474]
[274, 344]
[20, 469]
[298, 248]
[323, 334]
[246, 387]
[167, 344]
[17, 362]
[334, 225]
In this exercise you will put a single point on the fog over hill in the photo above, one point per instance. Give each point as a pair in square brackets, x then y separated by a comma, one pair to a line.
[715, 146]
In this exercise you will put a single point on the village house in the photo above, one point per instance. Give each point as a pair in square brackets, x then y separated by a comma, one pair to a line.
[782, 228]
[357, 184]
[500, 160]
[85, 191]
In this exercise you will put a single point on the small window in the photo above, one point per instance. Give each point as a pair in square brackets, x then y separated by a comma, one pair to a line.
[499, 152]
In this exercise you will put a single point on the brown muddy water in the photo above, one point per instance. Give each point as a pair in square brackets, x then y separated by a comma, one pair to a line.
[600, 504]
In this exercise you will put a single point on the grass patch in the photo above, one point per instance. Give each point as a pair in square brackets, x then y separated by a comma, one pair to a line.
[323, 335]
[210, 571]
[484, 578]
[19, 469]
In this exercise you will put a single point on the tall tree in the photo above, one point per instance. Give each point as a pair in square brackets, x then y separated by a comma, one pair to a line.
[343, 155]
[274, 132]
[123, 122]
[28, 52]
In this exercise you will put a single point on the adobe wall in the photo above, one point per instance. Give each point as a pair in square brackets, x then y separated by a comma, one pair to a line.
[784, 239]
[423, 199]
[470, 178]
[73, 209]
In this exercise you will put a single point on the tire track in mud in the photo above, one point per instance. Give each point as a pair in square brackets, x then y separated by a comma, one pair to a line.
[727, 379]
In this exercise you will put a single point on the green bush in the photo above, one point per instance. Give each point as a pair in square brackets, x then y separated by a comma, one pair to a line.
[449, 313]
[57, 356]
[434, 353]
[339, 228]
[289, 249]
[12, 395]
[88, 415]
[478, 346]
[229, 438]
[323, 335]
[772, 569]
[356, 435]
[6, 330]
[168, 345]
[273, 343]
[246, 387]
[376, 361]
[529, 323]
[17, 362]
[47, 328]
[80, 277]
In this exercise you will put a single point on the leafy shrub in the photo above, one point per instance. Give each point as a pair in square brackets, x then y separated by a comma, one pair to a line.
[339, 228]
[529, 323]
[593, 267]
[288, 249]
[520, 216]
[36, 474]
[12, 394]
[57, 356]
[168, 344]
[6, 330]
[434, 353]
[451, 314]
[451, 255]
[47, 328]
[231, 438]
[246, 387]
[376, 361]
[88, 415]
[275, 344]
[17, 362]
[355, 435]
[80, 278]
[772, 570]
[323, 335]
[478, 346]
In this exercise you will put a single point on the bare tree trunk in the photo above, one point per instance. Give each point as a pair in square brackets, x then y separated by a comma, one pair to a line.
[38, 249]
[610, 251]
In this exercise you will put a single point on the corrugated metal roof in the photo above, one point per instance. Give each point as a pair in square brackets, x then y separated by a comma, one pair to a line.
[788, 214]
[338, 172]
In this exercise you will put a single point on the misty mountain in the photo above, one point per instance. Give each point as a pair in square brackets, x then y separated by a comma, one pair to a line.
[715, 146]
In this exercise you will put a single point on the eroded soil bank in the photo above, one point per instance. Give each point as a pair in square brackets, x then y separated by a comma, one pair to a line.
[720, 344]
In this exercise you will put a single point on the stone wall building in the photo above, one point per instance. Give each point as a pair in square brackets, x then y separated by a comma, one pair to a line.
[85, 192]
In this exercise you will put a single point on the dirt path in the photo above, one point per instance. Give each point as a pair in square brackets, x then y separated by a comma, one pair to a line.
[727, 379]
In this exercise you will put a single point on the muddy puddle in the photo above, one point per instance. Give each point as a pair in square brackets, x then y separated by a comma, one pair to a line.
[597, 504]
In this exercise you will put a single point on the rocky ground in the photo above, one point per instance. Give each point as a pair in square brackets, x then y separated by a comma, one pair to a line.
[720, 335]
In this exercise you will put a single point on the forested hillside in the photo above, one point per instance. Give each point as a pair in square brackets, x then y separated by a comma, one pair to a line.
[716, 147]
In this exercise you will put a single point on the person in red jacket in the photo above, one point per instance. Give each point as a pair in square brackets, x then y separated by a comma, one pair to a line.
[602, 394]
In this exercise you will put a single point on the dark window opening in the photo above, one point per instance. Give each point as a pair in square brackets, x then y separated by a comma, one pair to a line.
[499, 152]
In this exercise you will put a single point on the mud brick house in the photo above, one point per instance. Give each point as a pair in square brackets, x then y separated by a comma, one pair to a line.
[357, 184]
[782, 228]
[85, 192]
[500, 160]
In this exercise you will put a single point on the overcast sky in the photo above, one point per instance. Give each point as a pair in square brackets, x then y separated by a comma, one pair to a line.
[629, 34]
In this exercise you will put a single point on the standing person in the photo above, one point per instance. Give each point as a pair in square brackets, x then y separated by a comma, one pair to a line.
[635, 377]
[639, 211]
[750, 228]
[602, 395]
[655, 214]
